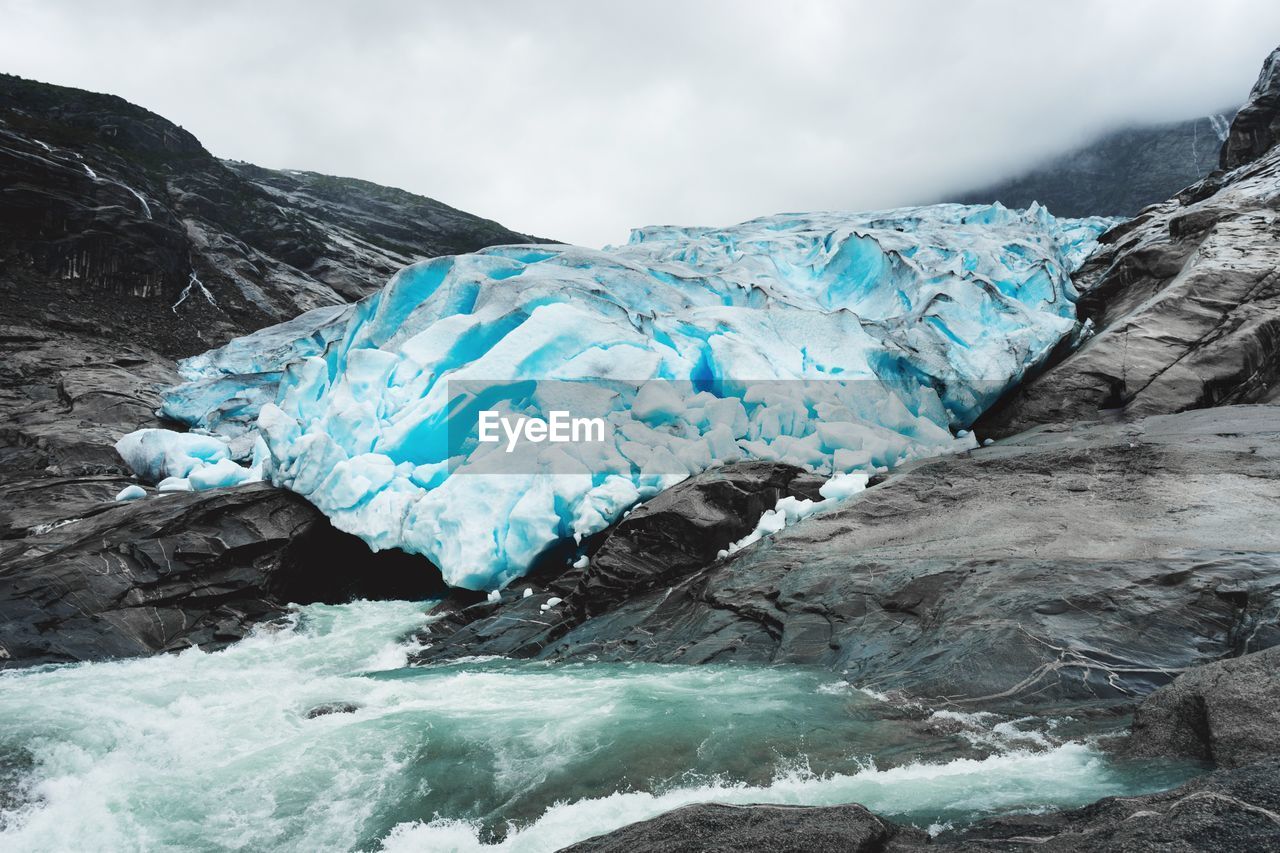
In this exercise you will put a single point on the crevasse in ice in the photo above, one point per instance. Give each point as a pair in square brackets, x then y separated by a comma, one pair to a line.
[841, 342]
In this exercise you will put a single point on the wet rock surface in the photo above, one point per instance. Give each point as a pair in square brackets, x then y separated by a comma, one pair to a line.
[179, 570]
[64, 400]
[683, 529]
[675, 534]
[1257, 126]
[1084, 564]
[157, 575]
[332, 708]
[785, 829]
[1227, 713]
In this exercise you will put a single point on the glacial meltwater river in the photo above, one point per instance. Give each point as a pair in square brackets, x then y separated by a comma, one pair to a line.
[215, 751]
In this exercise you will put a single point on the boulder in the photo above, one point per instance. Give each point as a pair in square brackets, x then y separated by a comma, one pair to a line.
[747, 829]
[1227, 713]
[683, 529]
[185, 569]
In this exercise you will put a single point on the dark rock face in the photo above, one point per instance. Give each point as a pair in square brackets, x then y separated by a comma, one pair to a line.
[113, 215]
[748, 829]
[1257, 126]
[1072, 565]
[683, 529]
[184, 569]
[1184, 304]
[332, 708]
[673, 535]
[65, 400]
[1226, 712]
[1118, 174]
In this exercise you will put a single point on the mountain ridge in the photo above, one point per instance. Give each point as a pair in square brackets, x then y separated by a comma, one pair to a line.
[1117, 173]
[113, 211]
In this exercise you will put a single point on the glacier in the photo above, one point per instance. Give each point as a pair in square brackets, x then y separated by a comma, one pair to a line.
[840, 342]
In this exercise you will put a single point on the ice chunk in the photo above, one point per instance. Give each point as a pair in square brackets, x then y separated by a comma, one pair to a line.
[844, 343]
[844, 485]
[131, 493]
[154, 454]
[188, 461]
[224, 472]
[788, 510]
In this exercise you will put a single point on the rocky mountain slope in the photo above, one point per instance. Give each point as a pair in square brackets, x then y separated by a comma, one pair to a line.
[1183, 302]
[1118, 174]
[124, 244]
[1257, 126]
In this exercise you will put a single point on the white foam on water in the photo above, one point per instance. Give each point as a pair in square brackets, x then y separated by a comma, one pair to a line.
[157, 753]
[1065, 774]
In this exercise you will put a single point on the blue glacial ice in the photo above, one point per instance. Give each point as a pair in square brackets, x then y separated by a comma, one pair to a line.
[155, 454]
[841, 342]
[131, 493]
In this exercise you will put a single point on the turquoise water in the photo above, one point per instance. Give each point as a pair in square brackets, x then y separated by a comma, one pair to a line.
[215, 751]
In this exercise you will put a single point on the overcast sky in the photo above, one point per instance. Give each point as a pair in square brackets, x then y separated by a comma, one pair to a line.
[577, 120]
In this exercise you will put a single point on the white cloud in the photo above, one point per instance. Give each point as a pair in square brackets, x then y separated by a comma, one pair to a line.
[578, 119]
